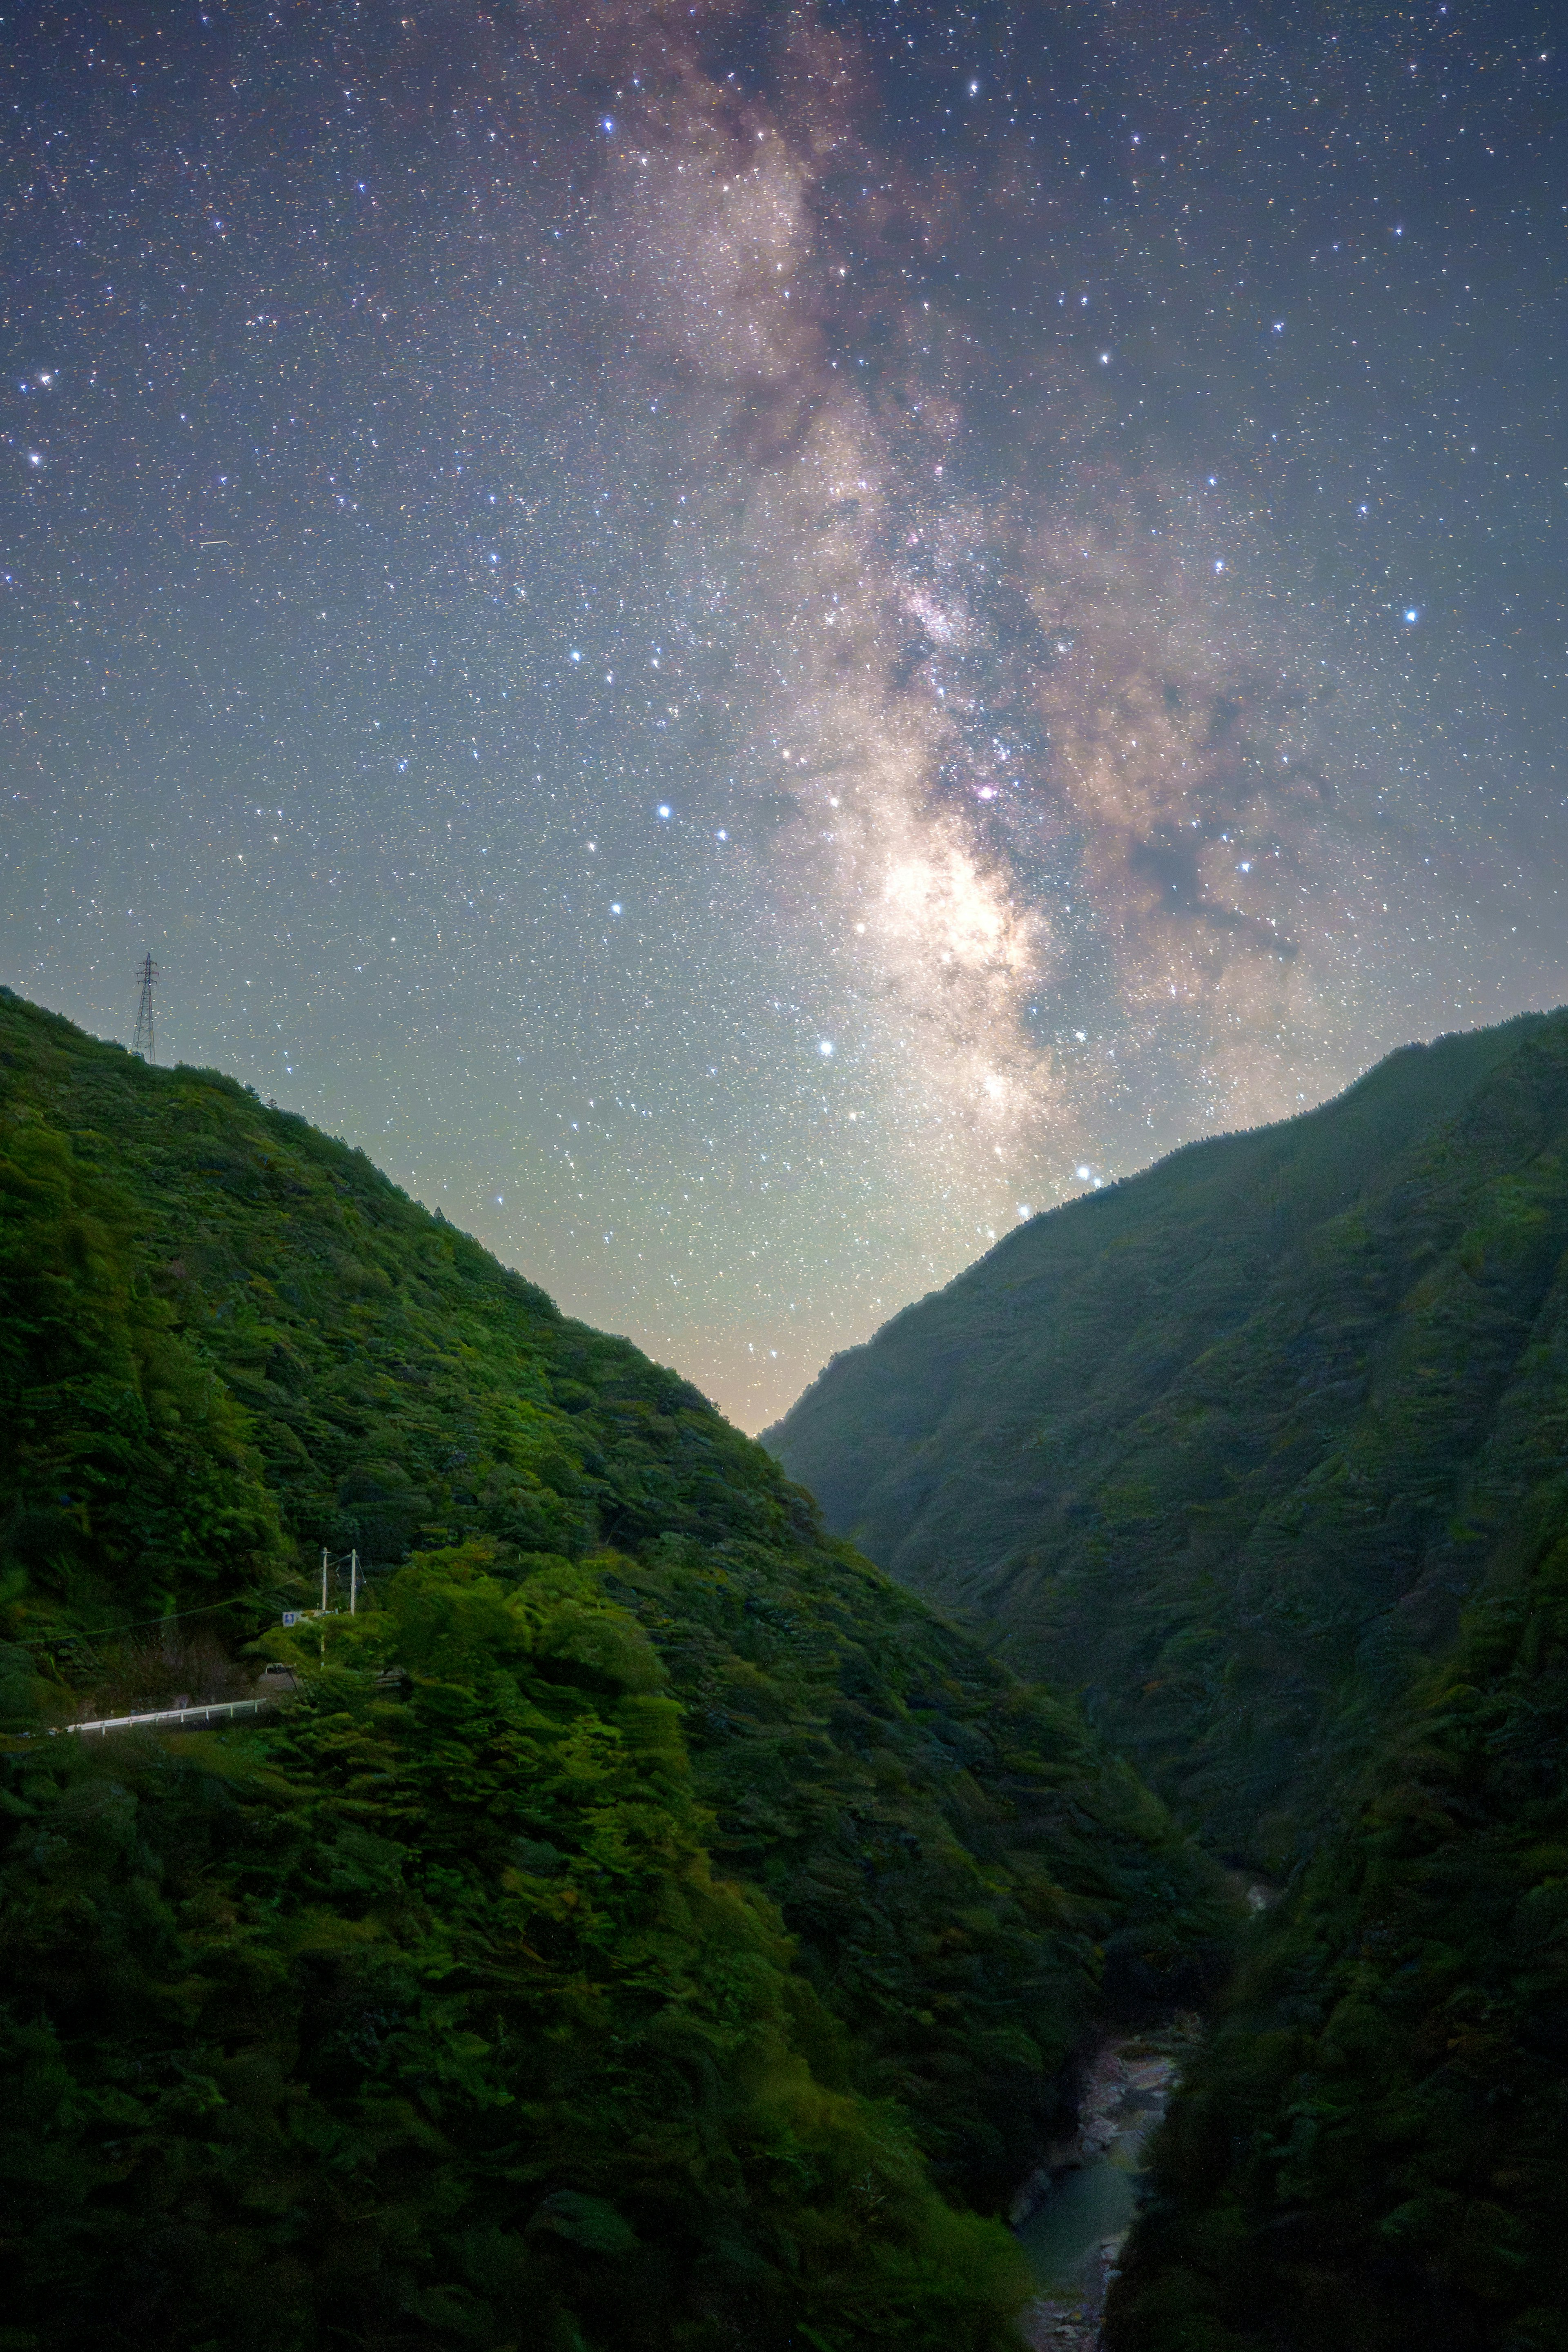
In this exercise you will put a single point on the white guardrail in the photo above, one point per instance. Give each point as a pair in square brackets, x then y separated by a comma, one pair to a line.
[184, 1717]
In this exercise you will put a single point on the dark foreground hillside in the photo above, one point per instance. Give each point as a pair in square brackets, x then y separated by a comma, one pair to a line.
[1268, 1450]
[648, 1927]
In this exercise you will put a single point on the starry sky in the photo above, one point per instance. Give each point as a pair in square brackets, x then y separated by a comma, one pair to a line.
[751, 641]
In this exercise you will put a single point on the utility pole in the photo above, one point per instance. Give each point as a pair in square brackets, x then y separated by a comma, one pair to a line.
[353, 1583]
[323, 1580]
[143, 1043]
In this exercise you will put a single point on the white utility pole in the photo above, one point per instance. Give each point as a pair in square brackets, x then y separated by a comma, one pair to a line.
[353, 1583]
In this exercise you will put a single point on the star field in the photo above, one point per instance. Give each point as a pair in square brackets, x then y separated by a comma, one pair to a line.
[752, 641]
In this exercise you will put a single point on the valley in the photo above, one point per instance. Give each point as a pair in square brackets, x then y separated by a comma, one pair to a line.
[644, 1918]
[664, 1907]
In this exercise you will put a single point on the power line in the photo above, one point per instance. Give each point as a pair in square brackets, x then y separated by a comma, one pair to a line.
[96, 1632]
[240, 1601]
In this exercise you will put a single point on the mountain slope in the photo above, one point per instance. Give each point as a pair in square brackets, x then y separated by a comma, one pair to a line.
[1369, 2154]
[642, 1870]
[422, 2019]
[1267, 1451]
[1227, 1446]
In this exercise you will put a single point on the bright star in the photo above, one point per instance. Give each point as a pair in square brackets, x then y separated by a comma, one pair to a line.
[824, 1047]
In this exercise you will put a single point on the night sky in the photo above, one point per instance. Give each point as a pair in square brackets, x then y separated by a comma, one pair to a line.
[751, 641]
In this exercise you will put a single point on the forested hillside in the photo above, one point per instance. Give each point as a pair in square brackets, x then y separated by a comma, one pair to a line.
[647, 1926]
[1226, 1448]
[1369, 2157]
[1267, 1451]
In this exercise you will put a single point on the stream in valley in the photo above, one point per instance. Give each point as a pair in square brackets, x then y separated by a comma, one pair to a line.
[1079, 2207]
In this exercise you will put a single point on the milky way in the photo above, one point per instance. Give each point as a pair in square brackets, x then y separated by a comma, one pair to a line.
[752, 642]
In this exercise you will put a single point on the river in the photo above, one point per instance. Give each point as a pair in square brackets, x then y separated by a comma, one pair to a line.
[1081, 2206]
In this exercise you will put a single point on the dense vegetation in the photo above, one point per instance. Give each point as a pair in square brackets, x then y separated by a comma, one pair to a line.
[1371, 2154]
[425, 2021]
[1301, 1532]
[1226, 1448]
[648, 1927]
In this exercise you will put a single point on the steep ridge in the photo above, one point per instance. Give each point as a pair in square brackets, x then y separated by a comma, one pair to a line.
[1312, 1567]
[1226, 1447]
[1368, 2157]
[647, 1924]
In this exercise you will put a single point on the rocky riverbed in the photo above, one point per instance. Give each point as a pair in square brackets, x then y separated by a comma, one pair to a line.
[1074, 2211]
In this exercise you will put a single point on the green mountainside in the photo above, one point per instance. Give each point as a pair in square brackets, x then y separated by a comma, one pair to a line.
[1225, 1446]
[1267, 1452]
[646, 1926]
[1370, 2155]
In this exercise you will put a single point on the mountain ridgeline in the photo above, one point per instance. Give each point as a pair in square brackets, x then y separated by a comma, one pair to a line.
[1265, 1453]
[647, 1926]
[1225, 1446]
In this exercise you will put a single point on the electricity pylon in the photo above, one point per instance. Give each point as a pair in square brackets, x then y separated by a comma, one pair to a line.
[143, 1042]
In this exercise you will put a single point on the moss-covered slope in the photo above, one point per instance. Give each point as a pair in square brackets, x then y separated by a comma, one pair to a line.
[1226, 1447]
[707, 1895]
